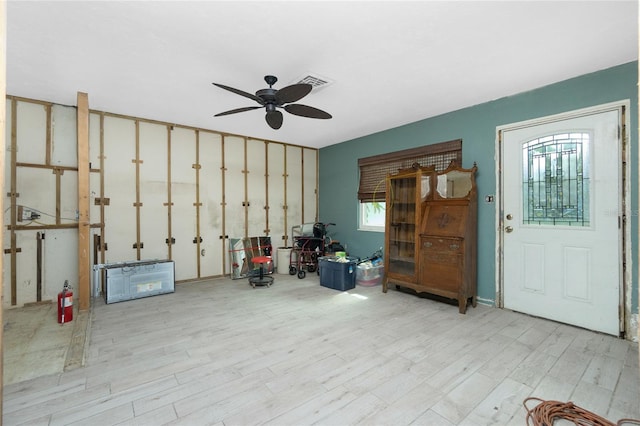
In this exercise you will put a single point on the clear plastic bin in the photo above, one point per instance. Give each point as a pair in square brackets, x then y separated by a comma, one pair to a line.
[368, 275]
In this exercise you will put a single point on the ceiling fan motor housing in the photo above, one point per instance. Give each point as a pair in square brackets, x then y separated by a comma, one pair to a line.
[267, 95]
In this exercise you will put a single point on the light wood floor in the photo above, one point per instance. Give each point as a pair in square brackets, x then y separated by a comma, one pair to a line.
[221, 353]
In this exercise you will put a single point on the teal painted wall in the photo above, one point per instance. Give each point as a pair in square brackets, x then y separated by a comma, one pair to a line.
[476, 126]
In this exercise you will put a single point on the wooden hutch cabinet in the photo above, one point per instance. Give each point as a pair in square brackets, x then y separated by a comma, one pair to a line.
[406, 196]
[445, 246]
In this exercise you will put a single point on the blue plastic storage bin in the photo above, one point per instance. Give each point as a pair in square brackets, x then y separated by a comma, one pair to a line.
[337, 275]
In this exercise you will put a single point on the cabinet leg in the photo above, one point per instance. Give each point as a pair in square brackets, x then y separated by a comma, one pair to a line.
[384, 287]
[462, 305]
[474, 301]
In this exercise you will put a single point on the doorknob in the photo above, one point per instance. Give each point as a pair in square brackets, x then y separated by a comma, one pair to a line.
[508, 229]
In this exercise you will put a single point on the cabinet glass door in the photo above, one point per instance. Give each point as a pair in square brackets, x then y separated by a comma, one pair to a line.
[402, 225]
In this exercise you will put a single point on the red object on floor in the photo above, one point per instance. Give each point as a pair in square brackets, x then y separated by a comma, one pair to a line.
[65, 306]
[261, 279]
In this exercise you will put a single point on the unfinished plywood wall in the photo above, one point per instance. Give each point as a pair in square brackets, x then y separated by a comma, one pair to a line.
[157, 191]
[41, 188]
[276, 182]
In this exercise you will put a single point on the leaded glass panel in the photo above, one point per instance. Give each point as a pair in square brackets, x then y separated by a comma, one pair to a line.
[555, 181]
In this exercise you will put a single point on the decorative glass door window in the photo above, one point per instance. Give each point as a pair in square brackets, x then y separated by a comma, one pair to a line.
[555, 181]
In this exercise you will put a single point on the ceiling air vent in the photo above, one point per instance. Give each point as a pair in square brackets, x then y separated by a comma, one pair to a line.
[314, 80]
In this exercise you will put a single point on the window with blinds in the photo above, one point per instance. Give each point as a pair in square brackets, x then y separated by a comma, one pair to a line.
[374, 170]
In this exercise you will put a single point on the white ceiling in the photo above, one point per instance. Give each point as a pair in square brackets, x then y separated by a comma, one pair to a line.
[391, 63]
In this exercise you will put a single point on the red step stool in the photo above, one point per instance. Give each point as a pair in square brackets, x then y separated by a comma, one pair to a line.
[261, 279]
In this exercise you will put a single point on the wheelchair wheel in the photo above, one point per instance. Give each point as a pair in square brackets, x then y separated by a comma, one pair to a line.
[302, 274]
[311, 268]
[292, 270]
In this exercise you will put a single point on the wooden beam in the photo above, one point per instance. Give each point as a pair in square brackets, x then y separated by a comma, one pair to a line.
[317, 166]
[3, 124]
[49, 136]
[44, 166]
[138, 204]
[169, 203]
[245, 172]
[197, 166]
[267, 229]
[84, 243]
[102, 197]
[302, 182]
[39, 267]
[58, 174]
[285, 177]
[223, 237]
[13, 194]
[52, 226]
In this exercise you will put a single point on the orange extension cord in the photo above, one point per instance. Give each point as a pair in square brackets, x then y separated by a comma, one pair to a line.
[546, 412]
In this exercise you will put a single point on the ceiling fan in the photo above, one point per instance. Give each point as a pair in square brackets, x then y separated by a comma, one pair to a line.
[272, 99]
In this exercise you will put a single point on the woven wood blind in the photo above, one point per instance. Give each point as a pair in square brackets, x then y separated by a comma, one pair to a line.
[374, 170]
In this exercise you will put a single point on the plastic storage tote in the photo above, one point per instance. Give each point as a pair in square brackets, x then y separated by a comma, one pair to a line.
[369, 275]
[338, 275]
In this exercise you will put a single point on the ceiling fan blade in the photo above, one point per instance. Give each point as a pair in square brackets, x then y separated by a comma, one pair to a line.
[240, 92]
[233, 111]
[293, 93]
[274, 119]
[306, 111]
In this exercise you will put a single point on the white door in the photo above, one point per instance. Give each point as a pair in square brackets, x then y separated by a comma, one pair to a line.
[561, 237]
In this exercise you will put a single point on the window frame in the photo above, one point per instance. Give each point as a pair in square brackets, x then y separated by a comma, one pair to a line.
[362, 226]
[372, 172]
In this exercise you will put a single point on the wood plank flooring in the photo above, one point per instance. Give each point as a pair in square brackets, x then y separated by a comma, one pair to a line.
[219, 352]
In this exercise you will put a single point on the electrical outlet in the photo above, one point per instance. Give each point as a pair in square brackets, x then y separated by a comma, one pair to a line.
[28, 215]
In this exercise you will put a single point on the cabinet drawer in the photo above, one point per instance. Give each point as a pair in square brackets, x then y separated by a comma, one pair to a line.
[446, 277]
[432, 245]
[433, 256]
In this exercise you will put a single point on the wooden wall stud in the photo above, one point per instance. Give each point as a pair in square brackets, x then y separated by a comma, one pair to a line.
[84, 243]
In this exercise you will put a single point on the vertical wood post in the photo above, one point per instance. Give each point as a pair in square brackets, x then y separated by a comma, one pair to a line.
[197, 166]
[316, 190]
[285, 207]
[138, 204]
[223, 237]
[302, 182]
[3, 115]
[84, 243]
[102, 227]
[245, 203]
[13, 194]
[267, 229]
[169, 202]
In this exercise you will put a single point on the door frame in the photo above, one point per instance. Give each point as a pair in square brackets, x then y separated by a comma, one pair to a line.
[626, 285]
